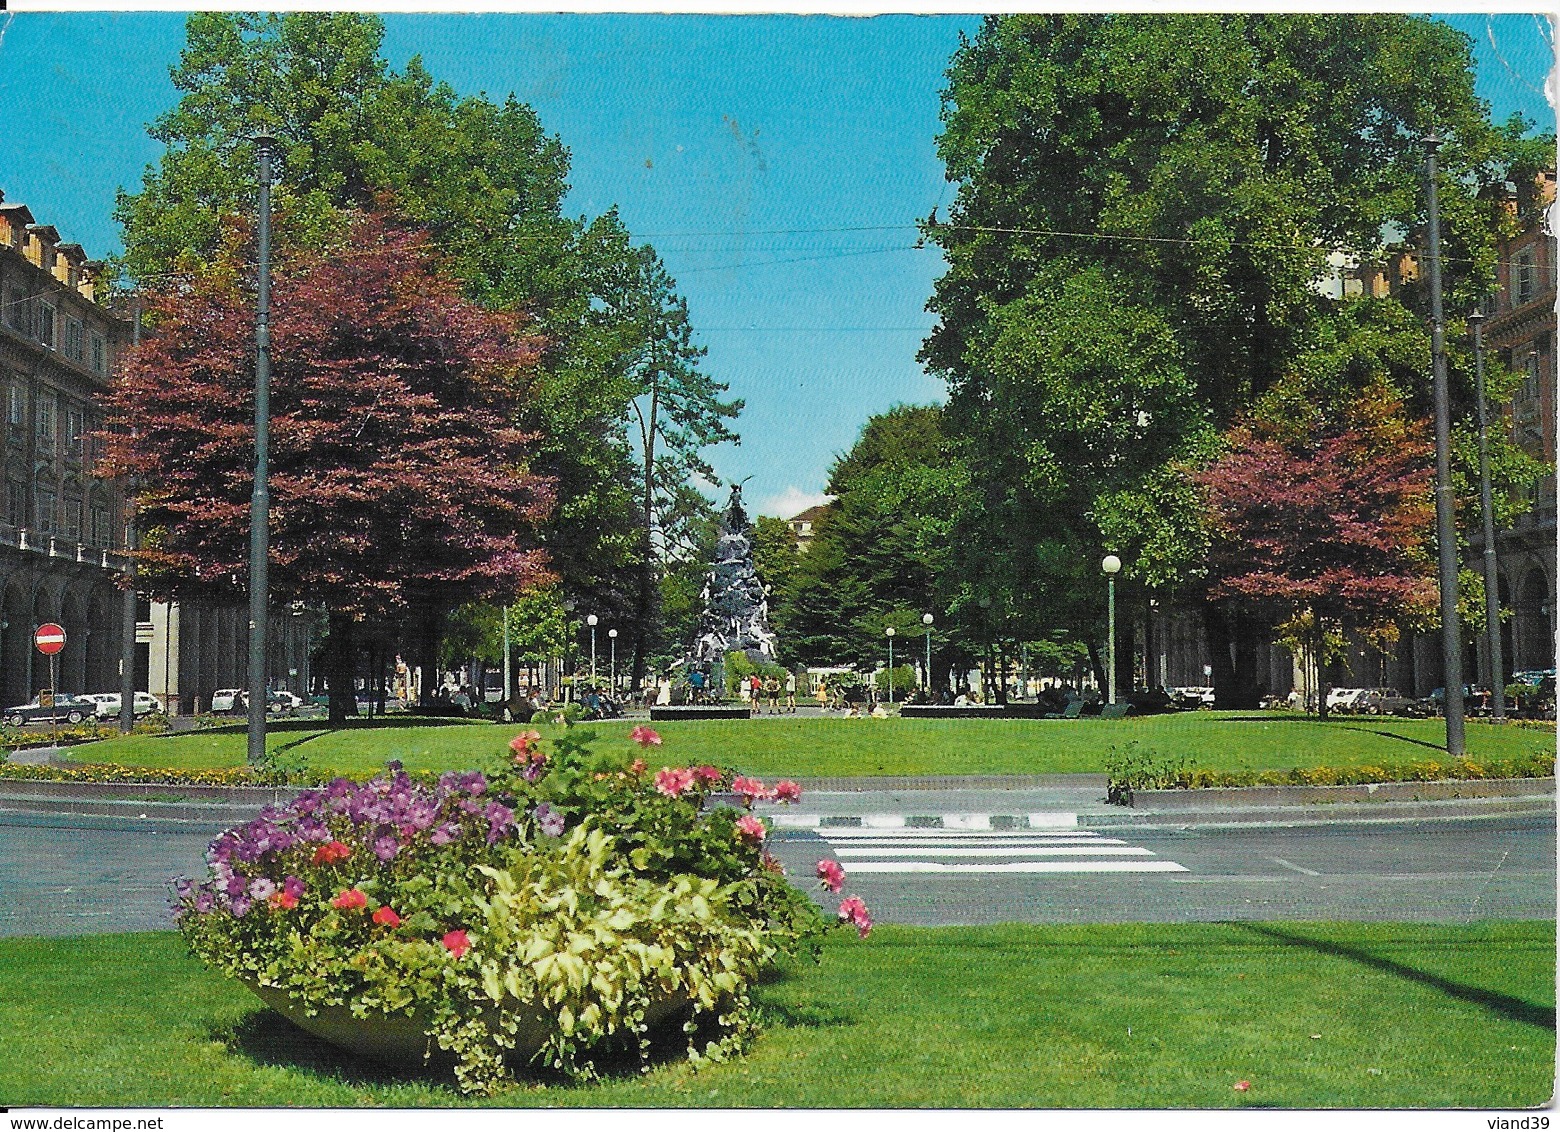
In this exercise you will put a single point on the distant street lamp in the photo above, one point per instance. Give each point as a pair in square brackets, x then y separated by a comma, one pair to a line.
[612, 636]
[926, 619]
[1112, 566]
[260, 495]
[591, 621]
[1445, 530]
[1487, 505]
[889, 633]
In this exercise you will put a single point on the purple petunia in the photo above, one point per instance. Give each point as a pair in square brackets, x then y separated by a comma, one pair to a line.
[548, 820]
[500, 819]
[386, 846]
[261, 888]
[293, 887]
[204, 902]
[239, 906]
[445, 833]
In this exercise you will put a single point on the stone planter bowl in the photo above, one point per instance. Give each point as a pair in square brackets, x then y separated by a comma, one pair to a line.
[404, 1041]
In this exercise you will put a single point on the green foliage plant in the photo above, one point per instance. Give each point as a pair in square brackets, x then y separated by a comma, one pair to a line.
[555, 906]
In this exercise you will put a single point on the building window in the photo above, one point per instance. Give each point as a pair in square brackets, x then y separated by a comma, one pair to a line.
[100, 526]
[75, 340]
[16, 405]
[44, 502]
[45, 419]
[16, 311]
[99, 355]
[73, 433]
[1525, 277]
[73, 519]
[46, 325]
[1530, 379]
[16, 503]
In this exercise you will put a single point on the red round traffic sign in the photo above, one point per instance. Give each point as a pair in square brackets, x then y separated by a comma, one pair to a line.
[50, 638]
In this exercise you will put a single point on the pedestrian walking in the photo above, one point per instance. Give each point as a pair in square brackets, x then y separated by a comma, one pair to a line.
[790, 692]
[772, 694]
[822, 692]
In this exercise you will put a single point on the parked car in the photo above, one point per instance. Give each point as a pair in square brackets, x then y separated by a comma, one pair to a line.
[66, 709]
[227, 699]
[1189, 699]
[1343, 699]
[282, 701]
[108, 704]
[1385, 701]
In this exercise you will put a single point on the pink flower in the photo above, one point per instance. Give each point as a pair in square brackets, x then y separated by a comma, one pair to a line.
[645, 737]
[787, 791]
[830, 875]
[387, 917]
[750, 827]
[524, 743]
[673, 783]
[751, 790]
[709, 774]
[1241, 1086]
[457, 943]
[771, 863]
[854, 911]
[350, 900]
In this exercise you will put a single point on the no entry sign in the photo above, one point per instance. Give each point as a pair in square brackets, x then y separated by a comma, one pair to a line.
[49, 638]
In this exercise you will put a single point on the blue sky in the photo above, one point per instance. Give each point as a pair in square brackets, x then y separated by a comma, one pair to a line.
[778, 163]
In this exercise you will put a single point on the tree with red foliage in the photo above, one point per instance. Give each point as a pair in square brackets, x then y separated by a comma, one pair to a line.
[1325, 519]
[399, 482]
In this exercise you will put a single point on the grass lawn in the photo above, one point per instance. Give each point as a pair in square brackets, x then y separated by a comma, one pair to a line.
[1129, 1016]
[804, 747]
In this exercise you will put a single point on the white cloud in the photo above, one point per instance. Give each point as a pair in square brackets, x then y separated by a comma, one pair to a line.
[792, 502]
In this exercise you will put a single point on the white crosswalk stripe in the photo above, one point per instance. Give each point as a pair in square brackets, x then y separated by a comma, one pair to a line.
[862, 849]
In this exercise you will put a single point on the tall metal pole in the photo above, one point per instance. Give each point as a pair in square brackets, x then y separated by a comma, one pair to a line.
[612, 636]
[1445, 531]
[592, 619]
[509, 687]
[926, 619]
[890, 633]
[260, 498]
[127, 599]
[1487, 505]
[1110, 582]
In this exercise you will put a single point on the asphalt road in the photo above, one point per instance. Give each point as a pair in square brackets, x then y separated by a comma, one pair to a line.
[57, 878]
[1445, 870]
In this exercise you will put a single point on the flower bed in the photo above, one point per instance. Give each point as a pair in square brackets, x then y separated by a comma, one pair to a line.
[548, 909]
[1134, 770]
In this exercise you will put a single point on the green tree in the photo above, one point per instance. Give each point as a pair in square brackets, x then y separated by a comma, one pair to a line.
[880, 556]
[1146, 208]
[487, 180]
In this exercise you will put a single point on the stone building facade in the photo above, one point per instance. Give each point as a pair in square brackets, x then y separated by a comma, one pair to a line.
[63, 531]
[61, 528]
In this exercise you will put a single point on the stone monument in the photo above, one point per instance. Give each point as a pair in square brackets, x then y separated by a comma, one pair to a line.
[736, 613]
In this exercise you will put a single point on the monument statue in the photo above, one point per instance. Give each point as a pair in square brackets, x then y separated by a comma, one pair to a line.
[736, 613]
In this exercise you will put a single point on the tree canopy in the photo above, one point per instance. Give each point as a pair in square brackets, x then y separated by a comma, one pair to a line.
[1149, 211]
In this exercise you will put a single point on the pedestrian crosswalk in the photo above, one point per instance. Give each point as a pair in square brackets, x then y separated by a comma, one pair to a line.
[863, 849]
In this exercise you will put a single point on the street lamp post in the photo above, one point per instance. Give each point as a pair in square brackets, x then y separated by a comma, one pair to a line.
[1487, 505]
[926, 619]
[260, 497]
[1112, 566]
[1445, 531]
[889, 633]
[612, 636]
[591, 621]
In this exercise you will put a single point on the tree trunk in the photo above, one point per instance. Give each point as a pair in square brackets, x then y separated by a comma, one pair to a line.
[429, 631]
[1225, 628]
[340, 667]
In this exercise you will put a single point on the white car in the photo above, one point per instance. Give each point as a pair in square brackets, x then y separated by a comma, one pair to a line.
[1343, 699]
[108, 704]
[227, 699]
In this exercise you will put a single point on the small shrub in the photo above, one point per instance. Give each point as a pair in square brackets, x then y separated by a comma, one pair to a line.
[1132, 770]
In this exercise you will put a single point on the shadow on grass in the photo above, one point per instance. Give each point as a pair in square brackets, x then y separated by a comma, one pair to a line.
[1508, 1006]
[1349, 725]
